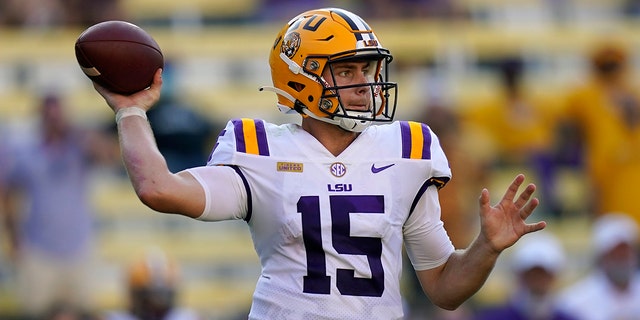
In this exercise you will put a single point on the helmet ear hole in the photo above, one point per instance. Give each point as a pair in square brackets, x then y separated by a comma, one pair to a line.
[297, 86]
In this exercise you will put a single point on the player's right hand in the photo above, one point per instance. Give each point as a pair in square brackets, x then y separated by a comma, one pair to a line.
[144, 99]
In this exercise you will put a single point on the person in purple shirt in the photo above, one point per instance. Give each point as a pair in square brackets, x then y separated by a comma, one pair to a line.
[536, 265]
[49, 222]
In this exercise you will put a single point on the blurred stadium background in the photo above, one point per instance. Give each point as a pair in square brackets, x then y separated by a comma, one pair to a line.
[218, 50]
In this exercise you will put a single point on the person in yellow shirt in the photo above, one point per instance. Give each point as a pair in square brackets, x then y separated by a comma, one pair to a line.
[520, 127]
[606, 111]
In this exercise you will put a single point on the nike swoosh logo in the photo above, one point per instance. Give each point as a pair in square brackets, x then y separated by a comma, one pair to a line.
[376, 170]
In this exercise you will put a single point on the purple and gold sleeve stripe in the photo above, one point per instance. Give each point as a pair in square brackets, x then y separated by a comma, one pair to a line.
[416, 140]
[251, 136]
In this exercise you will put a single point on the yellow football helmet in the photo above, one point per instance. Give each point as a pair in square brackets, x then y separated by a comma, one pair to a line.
[311, 42]
[154, 270]
[153, 285]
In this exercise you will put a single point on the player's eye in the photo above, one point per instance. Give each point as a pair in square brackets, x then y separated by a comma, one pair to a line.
[345, 74]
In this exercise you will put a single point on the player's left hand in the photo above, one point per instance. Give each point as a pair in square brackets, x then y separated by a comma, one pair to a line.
[503, 224]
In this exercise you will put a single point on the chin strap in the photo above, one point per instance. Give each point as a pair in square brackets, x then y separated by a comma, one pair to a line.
[349, 124]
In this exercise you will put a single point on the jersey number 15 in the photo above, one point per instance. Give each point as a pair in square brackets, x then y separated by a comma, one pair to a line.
[316, 281]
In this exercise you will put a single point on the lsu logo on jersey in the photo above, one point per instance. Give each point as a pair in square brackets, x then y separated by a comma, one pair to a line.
[340, 187]
[416, 140]
[251, 136]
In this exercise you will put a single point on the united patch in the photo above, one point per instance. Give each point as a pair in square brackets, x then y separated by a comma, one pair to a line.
[290, 166]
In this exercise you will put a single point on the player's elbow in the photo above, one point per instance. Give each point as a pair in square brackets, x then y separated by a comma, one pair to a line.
[448, 305]
[153, 195]
[442, 299]
[149, 197]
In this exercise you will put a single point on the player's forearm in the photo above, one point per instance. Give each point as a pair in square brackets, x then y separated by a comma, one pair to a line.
[145, 164]
[464, 274]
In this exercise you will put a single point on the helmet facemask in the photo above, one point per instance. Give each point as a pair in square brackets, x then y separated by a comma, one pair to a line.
[381, 103]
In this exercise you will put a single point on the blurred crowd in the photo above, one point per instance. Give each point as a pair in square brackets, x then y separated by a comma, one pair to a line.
[56, 13]
[590, 133]
[589, 130]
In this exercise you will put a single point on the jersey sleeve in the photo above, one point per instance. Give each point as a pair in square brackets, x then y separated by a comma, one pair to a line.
[225, 193]
[426, 240]
[228, 195]
[440, 170]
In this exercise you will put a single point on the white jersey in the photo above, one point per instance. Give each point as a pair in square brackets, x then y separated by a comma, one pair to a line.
[329, 229]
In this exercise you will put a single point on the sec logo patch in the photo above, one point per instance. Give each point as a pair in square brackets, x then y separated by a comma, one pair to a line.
[338, 169]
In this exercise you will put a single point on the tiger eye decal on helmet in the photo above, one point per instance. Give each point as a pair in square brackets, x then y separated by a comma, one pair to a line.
[290, 44]
[305, 51]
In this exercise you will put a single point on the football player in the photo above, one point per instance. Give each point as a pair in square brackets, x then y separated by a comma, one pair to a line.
[330, 202]
[153, 284]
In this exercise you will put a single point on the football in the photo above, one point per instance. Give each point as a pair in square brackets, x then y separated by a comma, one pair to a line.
[119, 56]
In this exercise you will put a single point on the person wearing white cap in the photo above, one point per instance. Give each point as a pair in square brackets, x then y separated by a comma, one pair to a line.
[612, 289]
[536, 264]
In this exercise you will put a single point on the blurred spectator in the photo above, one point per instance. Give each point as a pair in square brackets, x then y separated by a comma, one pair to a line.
[537, 263]
[58, 13]
[153, 286]
[32, 13]
[468, 160]
[612, 289]
[270, 10]
[276, 10]
[631, 8]
[48, 218]
[605, 112]
[399, 9]
[184, 136]
[521, 126]
[4, 165]
[63, 312]
[89, 12]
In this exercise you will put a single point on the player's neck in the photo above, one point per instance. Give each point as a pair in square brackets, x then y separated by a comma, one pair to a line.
[332, 137]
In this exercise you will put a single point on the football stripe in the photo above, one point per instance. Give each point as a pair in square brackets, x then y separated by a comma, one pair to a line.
[261, 136]
[250, 139]
[91, 72]
[416, 140]
[356, 23]
[251, 136]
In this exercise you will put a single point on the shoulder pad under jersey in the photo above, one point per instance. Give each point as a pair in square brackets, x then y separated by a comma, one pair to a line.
[420, 143]
[240, 135]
